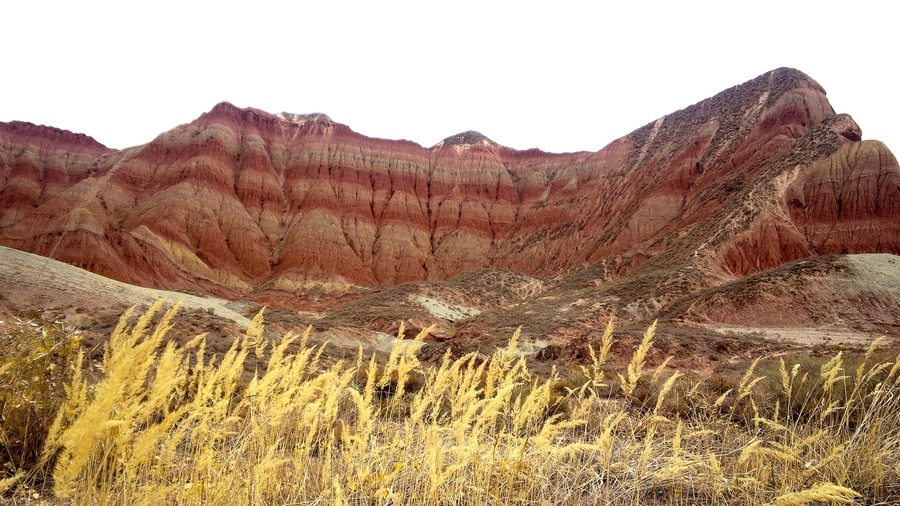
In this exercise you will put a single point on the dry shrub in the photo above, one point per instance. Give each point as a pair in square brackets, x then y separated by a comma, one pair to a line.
[36, 363]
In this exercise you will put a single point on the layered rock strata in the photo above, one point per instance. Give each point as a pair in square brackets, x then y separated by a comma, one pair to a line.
[298, 209]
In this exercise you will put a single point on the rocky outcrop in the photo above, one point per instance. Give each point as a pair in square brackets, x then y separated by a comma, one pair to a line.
[829, 193]
[849, 201]
[298, 209]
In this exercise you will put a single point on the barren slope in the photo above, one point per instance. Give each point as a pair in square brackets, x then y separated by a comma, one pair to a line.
[38, 287]
[838, 294]
[298, 210]
[720, 216]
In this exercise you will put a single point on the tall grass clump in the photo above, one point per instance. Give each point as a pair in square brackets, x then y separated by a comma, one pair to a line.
[173, 425]
[36, 364]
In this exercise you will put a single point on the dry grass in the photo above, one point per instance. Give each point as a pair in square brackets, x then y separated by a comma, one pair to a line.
[170, 425]
[36, 360]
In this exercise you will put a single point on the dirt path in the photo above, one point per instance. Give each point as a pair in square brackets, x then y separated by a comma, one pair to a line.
[799, 335]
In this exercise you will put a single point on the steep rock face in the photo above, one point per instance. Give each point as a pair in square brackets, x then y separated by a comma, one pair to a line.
[828, 194]
[849, 201]
[38, 163]
[670, 174]
[298, 209]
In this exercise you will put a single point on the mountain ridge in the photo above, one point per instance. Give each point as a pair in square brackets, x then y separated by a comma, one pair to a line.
[300, 210]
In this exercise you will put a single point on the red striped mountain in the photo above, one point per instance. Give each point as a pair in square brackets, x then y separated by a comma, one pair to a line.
[300, 210]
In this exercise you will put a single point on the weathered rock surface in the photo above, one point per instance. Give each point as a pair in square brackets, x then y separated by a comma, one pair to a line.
[38, 163]
[299, 210]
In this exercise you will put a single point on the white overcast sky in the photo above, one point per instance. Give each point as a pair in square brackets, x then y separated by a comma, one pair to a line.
[560, 76]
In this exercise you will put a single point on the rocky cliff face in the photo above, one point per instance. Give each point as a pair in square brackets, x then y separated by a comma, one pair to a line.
[296, 209]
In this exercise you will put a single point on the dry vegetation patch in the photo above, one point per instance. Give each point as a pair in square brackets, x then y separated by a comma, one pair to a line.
[167, 423]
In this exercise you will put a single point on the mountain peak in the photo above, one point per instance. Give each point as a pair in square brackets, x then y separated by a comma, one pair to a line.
[468, 137]
[301, 119]
[224, 107]
[791, 76]
[50, 135]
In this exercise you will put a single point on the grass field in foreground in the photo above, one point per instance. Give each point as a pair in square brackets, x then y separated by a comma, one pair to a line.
[155, 423]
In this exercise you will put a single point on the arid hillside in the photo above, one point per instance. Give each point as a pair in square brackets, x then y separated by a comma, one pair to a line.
[299, 210]
[683, 219]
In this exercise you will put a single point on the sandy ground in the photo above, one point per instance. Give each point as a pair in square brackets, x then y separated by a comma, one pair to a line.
[28, 280]
[444, 310]
[880, 271]
[61, 292]
[803, 336]
[354, 338]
